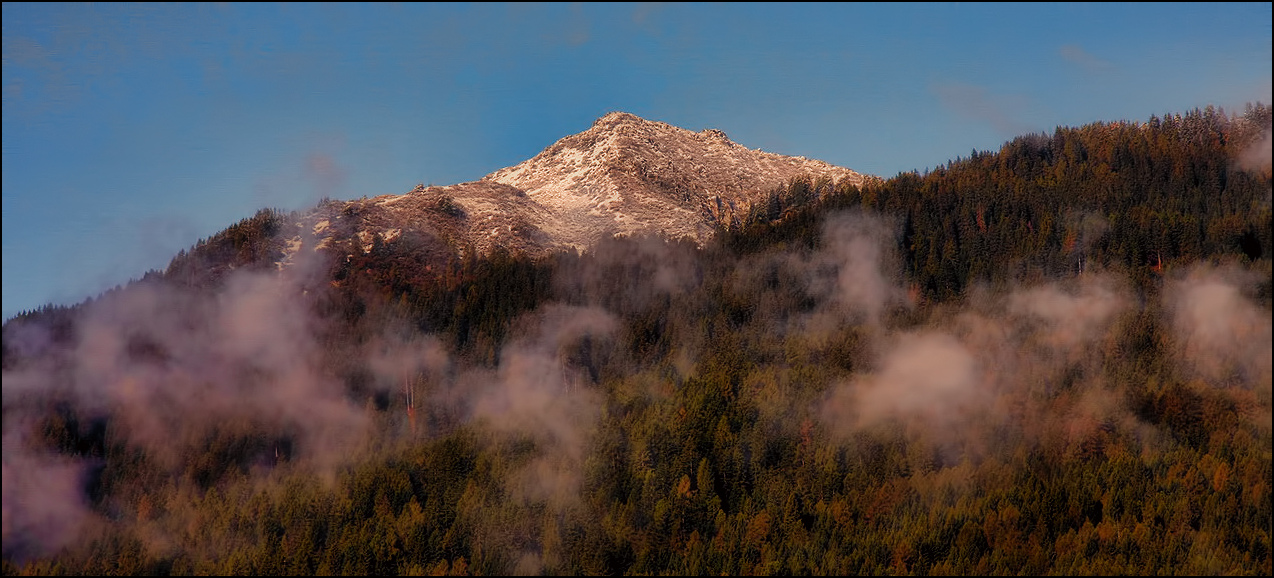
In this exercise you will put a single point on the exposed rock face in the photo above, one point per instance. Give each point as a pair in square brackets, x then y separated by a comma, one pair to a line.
[624, 175]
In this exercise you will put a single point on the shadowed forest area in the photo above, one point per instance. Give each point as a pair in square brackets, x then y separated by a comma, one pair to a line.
[1049, 359]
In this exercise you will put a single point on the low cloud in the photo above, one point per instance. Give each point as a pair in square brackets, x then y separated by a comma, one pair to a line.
[1028, 361]
[1259, 157]
[172, 368]
[626, 275]
[1071, 318]
[928, 378]
[852, 277]
[857, 246]
[1221, 335]
[541, 391]
[44, 502]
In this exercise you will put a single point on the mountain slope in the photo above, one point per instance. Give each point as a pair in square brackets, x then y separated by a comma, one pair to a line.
[624, 175]
[627, 174]
[1050, 359]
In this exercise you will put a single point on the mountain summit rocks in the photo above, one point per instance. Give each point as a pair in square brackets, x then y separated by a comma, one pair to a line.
[624, 175]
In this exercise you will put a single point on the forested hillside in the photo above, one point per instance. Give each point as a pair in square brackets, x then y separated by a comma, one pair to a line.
[1050, 359]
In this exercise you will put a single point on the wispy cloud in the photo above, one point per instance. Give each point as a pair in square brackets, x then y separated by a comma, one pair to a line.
[1074, 54]
[1001, 112]
[928, 376]
[1259, 157]
[171, 368]
[44, 502]
[35, 78]
[305, 178]
[1221, 335]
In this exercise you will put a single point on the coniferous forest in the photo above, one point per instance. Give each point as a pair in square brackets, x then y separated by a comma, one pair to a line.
[1049, 359]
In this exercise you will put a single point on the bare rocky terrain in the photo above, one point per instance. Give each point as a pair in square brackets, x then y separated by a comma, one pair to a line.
[624, 175]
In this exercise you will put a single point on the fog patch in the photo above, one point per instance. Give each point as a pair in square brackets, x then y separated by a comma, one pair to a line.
[858, 248]
[173, 369]
[1071, 317]
[1221, 335]
[628, 274]
[1259, 157]
[1025, 363]
[924, 378]
[539, 392]
[44, 503]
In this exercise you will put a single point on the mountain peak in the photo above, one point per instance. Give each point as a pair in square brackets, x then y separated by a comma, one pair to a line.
[624, 122]
[623, 175]
[626, 174]
[618, 117]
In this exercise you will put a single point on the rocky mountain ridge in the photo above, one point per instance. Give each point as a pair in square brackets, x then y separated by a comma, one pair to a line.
[624, 175]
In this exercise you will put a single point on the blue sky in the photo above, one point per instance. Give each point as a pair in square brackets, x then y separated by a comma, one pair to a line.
[131, 131]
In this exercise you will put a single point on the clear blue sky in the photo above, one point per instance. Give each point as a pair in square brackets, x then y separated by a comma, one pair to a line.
[132, 131]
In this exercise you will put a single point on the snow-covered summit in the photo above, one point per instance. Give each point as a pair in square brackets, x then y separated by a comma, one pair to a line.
[624, 175]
